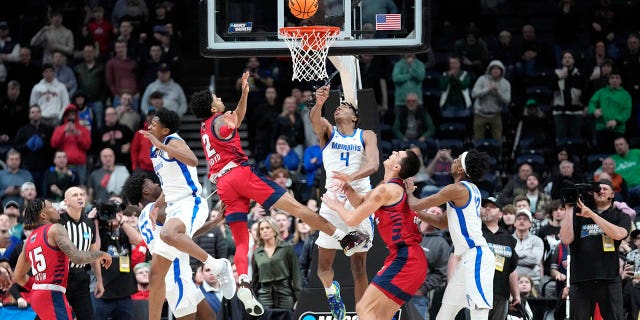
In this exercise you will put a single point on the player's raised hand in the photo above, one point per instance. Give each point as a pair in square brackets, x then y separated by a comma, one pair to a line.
[230, 119]
[409, 184]
[245, 81]
[322, 94]
[147, 134]
[220, 217]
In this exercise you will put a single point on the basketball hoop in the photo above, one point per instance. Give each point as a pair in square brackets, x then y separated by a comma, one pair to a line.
[309, 47]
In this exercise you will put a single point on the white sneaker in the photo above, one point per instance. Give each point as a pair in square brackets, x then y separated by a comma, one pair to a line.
[226, 279]
[251, 304]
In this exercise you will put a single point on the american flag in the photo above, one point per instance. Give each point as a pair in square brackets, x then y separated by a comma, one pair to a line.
[389, 21]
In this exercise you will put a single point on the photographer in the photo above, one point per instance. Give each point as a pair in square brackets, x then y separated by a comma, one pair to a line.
[119, 282]
[594, 235]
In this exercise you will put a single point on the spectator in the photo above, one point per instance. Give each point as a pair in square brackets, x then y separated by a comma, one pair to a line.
[115, 136]
[54, 37]
[33, 142]
[15, 114]
[85, 114]
[533, 118]
[529, 248]
[408, 74]
[141, 271]
[619, 183]
[550, 233]
[630, 66]
[567, 99]
[538, 200]
[509, 217]
[533, 53]
[51, 95]
[91, 82]
[413, 125]
[517, 184]
[59, 178]
[438, 170]
[503, 246]
[173, 95]
[210, 287]
[168, 44]
[505, 51]
[289, 156]
[289, 123]
[63, 73]
[259, 80]
[75, 140]
[9, 50]
[603, 22]
[611, 106]
[134, 44]
[473, 51]
[26, 72]
[283, 221]
[101, 30]
[12, 211]
[12, 177]
[141, 147]
[152, 64]
[122, 75]
[602, 80]
[558, 268]
[598, 59]
[628, 166]
[126, 115]
[593, 240]
[28, 192]
[455, 85]
[108, 179]
[264, 116]
[566, 24]
[8, 243]
[568, 175]
[134, 10]
[527, 290]
[492, 93]
[276, 275]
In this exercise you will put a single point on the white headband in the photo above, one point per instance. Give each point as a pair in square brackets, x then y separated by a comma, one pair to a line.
[463, 161]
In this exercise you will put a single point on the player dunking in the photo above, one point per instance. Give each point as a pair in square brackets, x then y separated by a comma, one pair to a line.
[175, 166]
[352, 154]
[405, 269]
[47, 252]
[238, 183]
[472, 282]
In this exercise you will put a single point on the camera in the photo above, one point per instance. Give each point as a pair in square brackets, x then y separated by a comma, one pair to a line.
[571, 192]
[107, 210]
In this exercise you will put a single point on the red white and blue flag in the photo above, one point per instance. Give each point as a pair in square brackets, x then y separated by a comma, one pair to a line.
[389, 21]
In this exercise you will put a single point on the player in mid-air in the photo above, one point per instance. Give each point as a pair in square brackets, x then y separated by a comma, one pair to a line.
[175, 165]
[238, 183]
[471, 284]
[183, 297]
[405, 269]
[46, 253]
[352, 154]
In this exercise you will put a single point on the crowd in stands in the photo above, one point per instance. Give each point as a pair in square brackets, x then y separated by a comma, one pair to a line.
[554, 101]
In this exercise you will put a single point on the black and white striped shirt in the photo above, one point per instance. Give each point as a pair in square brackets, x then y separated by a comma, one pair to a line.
[82, 233]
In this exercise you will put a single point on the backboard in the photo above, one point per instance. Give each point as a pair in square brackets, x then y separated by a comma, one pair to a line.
[244, 28]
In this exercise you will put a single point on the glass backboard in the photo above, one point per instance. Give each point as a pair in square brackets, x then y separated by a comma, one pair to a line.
[243, 28]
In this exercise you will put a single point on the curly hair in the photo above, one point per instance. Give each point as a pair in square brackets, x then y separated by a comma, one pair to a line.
[169, 119]
[477, 164]
[409, 166]
[201, 104]
[132, 188]
[32, 212]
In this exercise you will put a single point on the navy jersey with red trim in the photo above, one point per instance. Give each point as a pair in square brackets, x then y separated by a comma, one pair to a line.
[49, 265]
[218, 151]
[397, 223]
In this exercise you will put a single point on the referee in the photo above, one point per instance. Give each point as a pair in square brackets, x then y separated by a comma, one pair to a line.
[82, 232]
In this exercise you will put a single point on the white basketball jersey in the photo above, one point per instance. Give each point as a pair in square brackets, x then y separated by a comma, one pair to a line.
[176, 178]
[345, 154]
[465, 224]
[150, 235]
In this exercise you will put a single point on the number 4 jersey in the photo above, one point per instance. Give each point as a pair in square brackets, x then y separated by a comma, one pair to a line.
[345, 154]
[50, 266]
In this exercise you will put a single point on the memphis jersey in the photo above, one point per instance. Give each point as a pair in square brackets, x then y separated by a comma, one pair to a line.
[465, 224]
[149, 233]
[49, 265]
[219, 151]
[345, 154]
[397, 223]
[178, 180]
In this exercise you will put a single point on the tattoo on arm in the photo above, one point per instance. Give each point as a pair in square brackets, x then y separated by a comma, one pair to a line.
[75, 255]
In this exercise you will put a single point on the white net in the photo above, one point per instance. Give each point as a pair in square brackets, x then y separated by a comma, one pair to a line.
[309, 47]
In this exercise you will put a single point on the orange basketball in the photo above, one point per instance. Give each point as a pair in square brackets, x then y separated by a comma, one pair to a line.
[303, 9]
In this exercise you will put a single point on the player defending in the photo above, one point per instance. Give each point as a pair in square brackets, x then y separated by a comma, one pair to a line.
[238, 182]
[175, 165]
[352, 154]
[184, 299]
[47, 253]
[405, 269]
[472, 282]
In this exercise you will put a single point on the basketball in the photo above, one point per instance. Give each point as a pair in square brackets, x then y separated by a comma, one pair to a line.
[303, 9]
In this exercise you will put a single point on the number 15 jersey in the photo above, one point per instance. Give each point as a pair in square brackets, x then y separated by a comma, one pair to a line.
[345, 154]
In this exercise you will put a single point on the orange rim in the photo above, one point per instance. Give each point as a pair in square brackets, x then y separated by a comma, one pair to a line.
[315, 35]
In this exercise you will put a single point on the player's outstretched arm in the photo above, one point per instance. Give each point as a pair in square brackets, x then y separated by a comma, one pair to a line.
[343, 186]
[320, 125]
[453, 192]
[179, 150]
[241, 109]
[61, 238]
[381, 195]
[211, 224]
[372, 156]
[20, 273]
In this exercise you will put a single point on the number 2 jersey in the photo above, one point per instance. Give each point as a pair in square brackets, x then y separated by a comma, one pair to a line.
[345, 154]
[50, 266]
[220, 152]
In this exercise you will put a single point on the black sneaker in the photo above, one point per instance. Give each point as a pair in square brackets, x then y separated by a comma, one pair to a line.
[354, 241]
